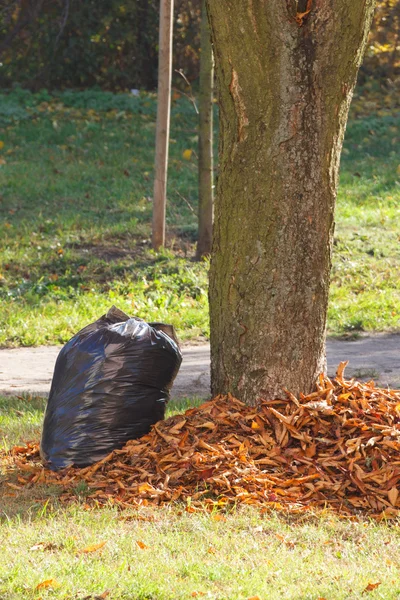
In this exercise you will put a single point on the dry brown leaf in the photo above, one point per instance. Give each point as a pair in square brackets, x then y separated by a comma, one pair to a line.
[393, 495]
[92, 548]
[371, 586]
[43, 546]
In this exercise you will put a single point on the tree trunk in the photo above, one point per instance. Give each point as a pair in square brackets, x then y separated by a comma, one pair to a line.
[163, 120]
[206, 192]
[286, 71]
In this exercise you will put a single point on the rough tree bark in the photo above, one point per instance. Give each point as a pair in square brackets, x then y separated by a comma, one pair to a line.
[206, 163]
[163, 121]
[286, 71]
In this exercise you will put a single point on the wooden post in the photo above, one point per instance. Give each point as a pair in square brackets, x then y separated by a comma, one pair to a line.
[163, 119]
[206, 166]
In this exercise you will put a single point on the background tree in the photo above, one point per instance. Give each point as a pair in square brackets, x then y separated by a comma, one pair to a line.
[206, 163]
[163, 121]
[382, 59]
[286, 71]
[81, 43]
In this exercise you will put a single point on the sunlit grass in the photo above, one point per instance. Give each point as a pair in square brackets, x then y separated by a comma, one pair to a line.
[76, 178]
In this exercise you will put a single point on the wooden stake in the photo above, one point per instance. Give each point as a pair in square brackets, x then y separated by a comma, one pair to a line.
[206, 166]
[163, 120]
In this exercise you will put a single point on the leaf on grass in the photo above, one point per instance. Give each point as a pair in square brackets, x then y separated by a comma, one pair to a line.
[187, 154]
[43, 546]
[218, 517]
[93, 548]
[254, 598]
[1, 145]
[14, 486]
[371, 586]
[48, 583]
[142, 545]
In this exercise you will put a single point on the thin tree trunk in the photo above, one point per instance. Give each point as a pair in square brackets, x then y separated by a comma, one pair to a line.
[286, 71]
[163, 120]
[206, 191]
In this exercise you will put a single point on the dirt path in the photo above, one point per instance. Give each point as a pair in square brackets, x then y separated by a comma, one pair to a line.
[376, 357]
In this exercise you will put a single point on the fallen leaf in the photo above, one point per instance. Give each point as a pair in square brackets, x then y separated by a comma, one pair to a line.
[187, 154]
[1, 145]
[142, 545]
[371, 586]
[43, 546]
[393, 494]
[93, 548]
[218, 517]
[48, 583]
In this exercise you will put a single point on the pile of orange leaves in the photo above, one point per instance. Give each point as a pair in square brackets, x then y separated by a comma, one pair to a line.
[337, 447]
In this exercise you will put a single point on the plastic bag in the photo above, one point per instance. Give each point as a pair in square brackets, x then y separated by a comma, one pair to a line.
[111, 382]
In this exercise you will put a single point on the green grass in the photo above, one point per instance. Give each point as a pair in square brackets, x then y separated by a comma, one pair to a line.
[220, 556]
[75, 212]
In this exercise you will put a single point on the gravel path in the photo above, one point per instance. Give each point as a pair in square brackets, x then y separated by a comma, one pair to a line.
[376, 357]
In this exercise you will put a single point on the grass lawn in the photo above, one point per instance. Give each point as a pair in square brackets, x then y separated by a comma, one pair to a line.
[75, 211]
[157, 554]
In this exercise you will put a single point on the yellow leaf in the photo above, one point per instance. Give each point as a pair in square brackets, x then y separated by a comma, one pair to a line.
[93, 547]
[398, 170]
[47, 584]
[145, 487]
[187, 154]
[255, 425]
[393, 494]
[142, 545]
[1, 145]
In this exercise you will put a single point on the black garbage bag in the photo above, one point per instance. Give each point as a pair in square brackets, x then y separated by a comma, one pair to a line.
[111, 382]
